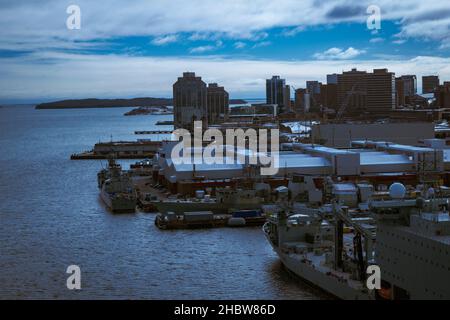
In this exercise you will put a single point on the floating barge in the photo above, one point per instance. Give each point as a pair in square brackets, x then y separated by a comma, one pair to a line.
[207, 219]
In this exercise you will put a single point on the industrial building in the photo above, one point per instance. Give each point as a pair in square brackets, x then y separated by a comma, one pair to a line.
[340, 135]
[378, 162]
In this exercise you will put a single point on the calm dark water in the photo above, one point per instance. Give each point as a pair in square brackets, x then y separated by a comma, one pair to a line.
[51, 217]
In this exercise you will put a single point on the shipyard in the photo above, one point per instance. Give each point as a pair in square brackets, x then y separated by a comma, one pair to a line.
[337, 196]
[230, 158]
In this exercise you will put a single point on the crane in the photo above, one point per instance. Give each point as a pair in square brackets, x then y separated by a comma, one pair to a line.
[344, 105]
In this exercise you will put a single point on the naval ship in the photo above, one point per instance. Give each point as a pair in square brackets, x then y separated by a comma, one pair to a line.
[117, 191]
[408, 239]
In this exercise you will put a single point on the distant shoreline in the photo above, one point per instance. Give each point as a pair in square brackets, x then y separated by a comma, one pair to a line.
[114, 103]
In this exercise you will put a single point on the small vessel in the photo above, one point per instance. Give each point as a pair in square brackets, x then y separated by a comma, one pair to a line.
[117, 191]
[226, 200]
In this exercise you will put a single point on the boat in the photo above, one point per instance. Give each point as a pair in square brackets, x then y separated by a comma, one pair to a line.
[117, 191]
[393, 235]
[226, 200]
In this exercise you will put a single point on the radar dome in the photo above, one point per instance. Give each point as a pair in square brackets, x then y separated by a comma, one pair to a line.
[397, 191]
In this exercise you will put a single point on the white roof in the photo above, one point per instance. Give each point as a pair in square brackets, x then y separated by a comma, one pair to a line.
[383, 158]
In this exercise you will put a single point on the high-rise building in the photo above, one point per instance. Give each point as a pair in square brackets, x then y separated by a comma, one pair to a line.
[302, 100]
[332, 78]
[275, 91]
[351, 89]
[406, 89]
[189, 100]
[400, 93]
[313, 87]
[217, 103]
[380, 91]
[409, 85]
[368, 92]
[429, 84]
[287, 99]
[442, 95]
[328, 95]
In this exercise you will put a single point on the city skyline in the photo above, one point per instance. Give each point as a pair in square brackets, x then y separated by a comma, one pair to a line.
[139, 51]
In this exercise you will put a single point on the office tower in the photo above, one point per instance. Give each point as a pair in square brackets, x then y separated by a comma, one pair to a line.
[302, 100]
[409, 85]
[351, 90]
[380, 91]
[217, 103]
[442, 95]
[287, 99]
[328, 95]
[429, 84]
[332, 78]
[313, 88]
[189, 100]
[275, 91]
[400, 93]
[406, 88]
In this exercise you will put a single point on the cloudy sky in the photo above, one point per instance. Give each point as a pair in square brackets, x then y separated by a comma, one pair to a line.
[138, 48]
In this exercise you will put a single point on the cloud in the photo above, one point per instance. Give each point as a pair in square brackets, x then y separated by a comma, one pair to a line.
[399, 41]
[346, 11]
[262, 44]
[67, 75]
[376, 40]
[41, 23]
[239, 45]
[202, 49]
[338, 54]
[207, 48]
[163, 40]
[293, 31]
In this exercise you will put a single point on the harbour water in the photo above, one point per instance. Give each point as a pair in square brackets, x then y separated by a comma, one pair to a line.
[51, 217]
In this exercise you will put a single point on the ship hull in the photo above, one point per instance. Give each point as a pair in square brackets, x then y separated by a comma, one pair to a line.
[216, 208]
[118, 205]
[319, 279]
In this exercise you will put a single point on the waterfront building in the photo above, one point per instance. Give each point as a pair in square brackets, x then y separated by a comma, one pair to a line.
[189, 100]
[275, 91]
[217, 104]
